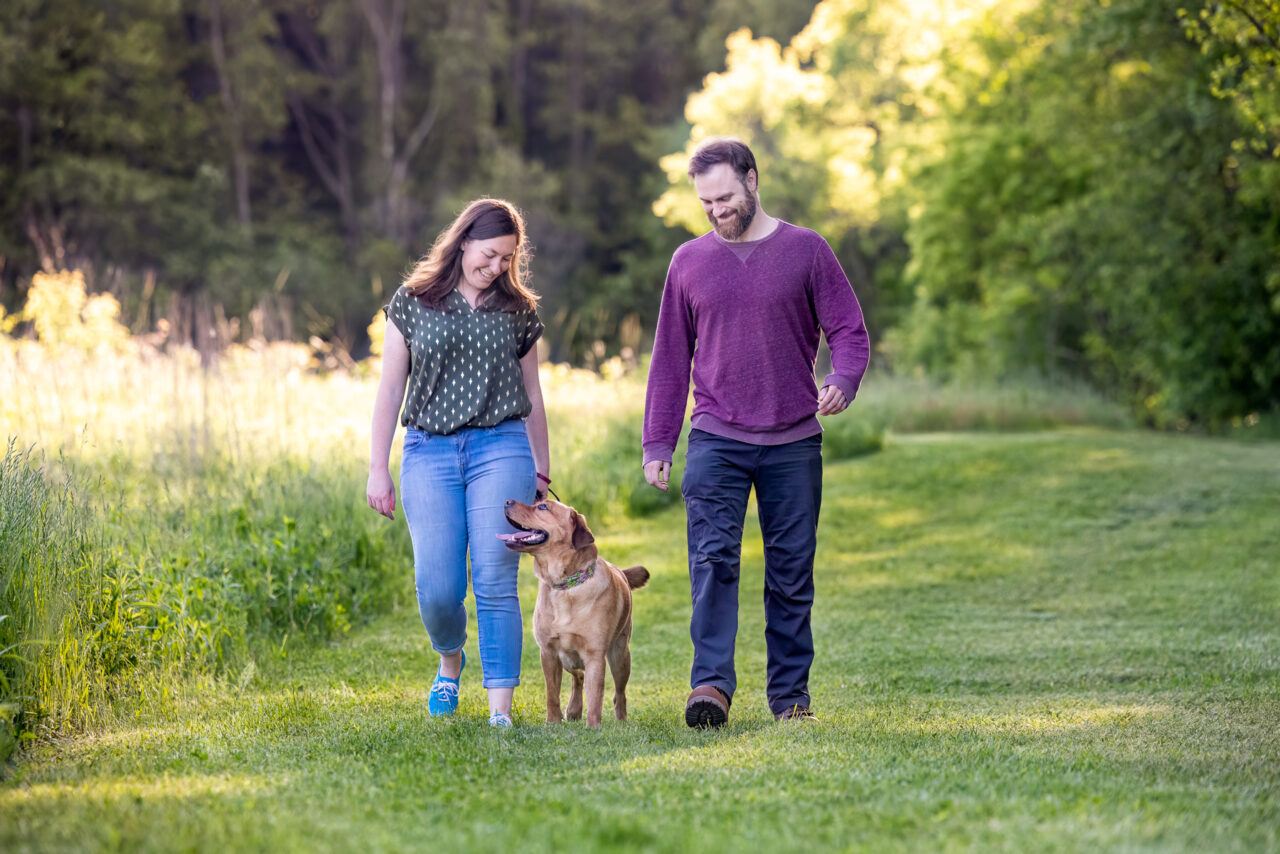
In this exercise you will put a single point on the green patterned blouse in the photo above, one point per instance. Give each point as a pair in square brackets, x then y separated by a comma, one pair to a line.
[464, 364]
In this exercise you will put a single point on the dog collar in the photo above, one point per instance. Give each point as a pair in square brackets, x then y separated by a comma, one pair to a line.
[577, 578]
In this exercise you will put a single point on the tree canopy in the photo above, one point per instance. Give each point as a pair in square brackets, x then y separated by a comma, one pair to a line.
[1084, 189]
[1070, 188]
[286, 161]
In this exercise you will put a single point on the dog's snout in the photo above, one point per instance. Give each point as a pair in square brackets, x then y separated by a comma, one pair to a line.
[510, 501]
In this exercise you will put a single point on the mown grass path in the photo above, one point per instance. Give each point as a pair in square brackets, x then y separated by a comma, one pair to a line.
[1039, 642]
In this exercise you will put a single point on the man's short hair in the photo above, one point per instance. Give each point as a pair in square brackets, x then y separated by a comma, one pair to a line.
[723, 150]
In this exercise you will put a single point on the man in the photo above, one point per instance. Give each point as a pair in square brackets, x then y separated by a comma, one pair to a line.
[744, 305]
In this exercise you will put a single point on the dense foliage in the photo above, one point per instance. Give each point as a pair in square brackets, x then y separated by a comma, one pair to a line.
[280, 163]
[1092, 214]
[1071, 189]
[1075, 189]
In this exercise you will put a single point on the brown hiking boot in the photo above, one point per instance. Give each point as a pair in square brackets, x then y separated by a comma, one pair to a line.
[797, 713]
[707, 707]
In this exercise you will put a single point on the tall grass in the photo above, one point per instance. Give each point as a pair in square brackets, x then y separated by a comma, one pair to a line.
[911, 404]
[47, 558]
[177, 518]
[113, 585]
[595, 422]
[184, 517]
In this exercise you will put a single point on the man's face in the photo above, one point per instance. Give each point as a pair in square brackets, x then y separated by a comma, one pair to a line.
[730, 205]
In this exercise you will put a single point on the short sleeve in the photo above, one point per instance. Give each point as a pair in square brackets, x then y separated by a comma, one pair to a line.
[397, 310]
[528, 330]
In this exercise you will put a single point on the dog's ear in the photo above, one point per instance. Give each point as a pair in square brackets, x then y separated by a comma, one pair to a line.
[581, 533]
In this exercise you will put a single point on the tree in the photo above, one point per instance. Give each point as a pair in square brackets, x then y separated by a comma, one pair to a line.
[1242, 40]
[835, 119]
[284, 162]
[1070, 189]
[1084, 219]
[106, 140]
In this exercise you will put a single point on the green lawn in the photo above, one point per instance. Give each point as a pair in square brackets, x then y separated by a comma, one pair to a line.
[1062, 641]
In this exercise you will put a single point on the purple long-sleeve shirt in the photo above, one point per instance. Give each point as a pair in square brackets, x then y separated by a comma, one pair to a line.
[747, 317]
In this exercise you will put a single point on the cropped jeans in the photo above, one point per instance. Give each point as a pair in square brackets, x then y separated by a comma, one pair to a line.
[454, 489]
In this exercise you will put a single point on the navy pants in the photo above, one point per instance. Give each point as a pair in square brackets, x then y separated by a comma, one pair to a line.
[719, 474]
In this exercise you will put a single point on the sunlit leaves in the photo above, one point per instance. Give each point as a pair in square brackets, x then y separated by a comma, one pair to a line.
[1087, 217]
[839, 121]
[762, 87]
[1243, 39]
[63, 314]
[1084, 191]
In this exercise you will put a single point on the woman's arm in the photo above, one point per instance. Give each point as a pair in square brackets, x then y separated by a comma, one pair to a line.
[381, 490]
[537, 420]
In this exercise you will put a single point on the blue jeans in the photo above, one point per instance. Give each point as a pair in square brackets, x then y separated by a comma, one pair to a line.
[453, 489]
[717, 481]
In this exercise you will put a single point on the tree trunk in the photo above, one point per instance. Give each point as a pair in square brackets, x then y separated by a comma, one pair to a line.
[386, 22]
[235, 120]
[324, 130]
[577, 133]
[520, 76]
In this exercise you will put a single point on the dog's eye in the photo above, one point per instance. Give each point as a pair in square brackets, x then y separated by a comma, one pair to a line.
[542, 507]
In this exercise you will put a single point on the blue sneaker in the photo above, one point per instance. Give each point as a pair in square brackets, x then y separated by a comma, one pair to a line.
[500, 720]
[443, 699]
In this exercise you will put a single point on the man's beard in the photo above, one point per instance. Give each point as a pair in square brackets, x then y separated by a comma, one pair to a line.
[738, 223]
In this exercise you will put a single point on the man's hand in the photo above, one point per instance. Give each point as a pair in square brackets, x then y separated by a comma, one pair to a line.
[831, 400]
[657, 473]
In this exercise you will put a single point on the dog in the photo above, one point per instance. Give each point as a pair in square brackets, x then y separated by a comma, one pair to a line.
[583, 614]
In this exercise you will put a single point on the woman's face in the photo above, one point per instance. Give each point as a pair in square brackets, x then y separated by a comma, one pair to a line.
[485, 260]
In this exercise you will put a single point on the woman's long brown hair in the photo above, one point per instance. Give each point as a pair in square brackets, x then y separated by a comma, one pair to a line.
[437, 274]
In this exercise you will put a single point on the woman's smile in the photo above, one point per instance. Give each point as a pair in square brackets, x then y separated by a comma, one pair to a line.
[484, 262]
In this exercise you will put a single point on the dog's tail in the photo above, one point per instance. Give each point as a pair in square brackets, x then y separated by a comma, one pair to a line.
[637, 576]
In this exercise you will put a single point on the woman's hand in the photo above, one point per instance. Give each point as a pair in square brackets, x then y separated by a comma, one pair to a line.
[381, 493]
[658, 473]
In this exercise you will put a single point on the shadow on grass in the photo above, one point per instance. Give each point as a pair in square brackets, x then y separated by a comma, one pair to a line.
[371, 769]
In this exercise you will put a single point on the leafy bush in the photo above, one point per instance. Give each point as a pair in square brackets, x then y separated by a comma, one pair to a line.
[64, 314]
[1034, 244]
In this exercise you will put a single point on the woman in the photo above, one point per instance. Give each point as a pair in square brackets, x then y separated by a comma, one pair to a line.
[461, 335]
